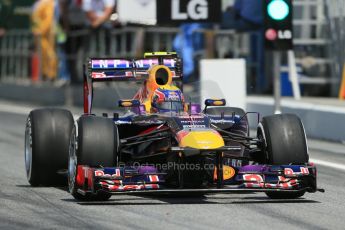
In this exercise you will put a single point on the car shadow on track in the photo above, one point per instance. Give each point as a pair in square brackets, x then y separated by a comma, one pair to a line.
[201, 199]
[62, 188]
[23, 186]
[166, 199]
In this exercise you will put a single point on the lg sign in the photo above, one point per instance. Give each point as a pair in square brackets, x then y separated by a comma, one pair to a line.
[272, 34]
[284, 34]
[178, 11]
[196, 10]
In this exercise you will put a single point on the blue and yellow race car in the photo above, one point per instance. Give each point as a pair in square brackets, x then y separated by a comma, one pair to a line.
[163, 143]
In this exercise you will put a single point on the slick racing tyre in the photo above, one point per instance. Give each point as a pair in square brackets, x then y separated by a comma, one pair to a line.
[93, 143]
[285, 139]
[47, 136]
[284, 143]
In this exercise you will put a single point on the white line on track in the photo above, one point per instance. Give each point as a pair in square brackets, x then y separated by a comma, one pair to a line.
[21, 110]
[327, 164]
[7, 108]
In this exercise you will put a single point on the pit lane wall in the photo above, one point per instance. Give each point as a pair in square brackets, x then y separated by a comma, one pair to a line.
[50, 95]
[322, 119]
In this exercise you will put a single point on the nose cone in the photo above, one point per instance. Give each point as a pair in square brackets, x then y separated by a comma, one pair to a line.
[205, 139]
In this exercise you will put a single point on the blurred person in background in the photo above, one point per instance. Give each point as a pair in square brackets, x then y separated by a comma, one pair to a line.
[187, 44]
[98, 13]
[63, 71]
[73, 21]
[243, 15]
[247, 16]
[44, 31]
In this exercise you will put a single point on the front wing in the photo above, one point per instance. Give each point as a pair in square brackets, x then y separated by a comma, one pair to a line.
[147, 179]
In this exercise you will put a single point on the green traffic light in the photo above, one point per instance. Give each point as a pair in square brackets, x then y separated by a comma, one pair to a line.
[278, 9]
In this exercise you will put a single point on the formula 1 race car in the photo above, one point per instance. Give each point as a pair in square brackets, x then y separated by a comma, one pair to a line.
[162, 143]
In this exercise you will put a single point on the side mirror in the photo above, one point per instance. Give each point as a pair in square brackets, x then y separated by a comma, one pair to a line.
[129, 103]
[215, 102]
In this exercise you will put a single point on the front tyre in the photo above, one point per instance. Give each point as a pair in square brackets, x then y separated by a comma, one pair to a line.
[95, 145]
[284, 139]
[284, 143]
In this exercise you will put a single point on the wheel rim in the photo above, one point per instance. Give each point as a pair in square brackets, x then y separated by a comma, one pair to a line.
[28, 149]
[72, 162]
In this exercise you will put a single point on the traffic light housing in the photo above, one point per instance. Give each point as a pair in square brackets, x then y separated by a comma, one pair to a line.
[278, 31]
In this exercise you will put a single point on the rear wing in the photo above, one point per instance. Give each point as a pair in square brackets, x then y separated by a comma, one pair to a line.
[102, 69]
[113, 69]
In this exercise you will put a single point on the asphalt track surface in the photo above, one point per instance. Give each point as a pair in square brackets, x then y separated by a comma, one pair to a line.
[25, 207]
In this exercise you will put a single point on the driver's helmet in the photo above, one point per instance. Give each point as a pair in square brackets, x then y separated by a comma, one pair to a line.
[167, 100]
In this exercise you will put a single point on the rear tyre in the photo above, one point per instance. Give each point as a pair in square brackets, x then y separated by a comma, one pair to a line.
[284, 143]
[47, 135]
[95, 145]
